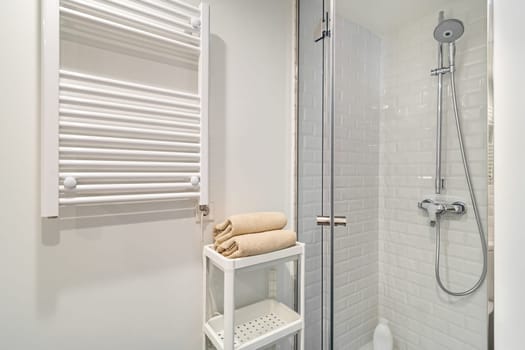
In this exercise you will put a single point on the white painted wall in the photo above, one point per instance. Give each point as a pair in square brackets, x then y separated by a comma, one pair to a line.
[134, 281]
[509, 55]
[251, 100]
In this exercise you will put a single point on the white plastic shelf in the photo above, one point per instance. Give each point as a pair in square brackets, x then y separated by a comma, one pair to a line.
[256, 325]
[259, 324]
[256, 261]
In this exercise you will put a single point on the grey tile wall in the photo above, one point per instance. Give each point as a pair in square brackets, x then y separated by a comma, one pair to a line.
[356, 168]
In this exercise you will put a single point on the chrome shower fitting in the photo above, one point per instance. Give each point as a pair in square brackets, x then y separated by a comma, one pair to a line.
[447, 32]
[436, 208]
[451, 59]
[442, 70]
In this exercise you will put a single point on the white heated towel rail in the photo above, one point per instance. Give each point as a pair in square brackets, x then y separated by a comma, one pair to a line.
[108, 140]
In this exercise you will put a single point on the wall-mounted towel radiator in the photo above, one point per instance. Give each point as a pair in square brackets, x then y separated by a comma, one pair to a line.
[113, 138]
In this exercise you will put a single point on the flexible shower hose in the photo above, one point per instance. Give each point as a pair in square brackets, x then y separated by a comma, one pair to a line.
[474, 206]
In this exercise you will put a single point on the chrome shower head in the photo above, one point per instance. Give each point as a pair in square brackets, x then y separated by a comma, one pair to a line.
[449, 30]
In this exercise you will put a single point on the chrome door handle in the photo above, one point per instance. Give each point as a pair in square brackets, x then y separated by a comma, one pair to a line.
[325, 220]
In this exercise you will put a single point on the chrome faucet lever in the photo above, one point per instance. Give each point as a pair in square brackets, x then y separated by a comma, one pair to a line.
[436, 208]
[433, 209]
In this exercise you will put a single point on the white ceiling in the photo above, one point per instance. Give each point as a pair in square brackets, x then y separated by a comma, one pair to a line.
[382, 16]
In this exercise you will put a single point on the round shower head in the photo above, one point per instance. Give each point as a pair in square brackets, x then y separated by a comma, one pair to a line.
[449, 30]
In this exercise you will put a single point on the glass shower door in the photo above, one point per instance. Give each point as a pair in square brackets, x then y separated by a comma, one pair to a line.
[338, 129]
[311, 155]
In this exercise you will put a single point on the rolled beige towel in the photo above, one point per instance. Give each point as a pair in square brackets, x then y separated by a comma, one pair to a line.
[242, 224]
[257, 243]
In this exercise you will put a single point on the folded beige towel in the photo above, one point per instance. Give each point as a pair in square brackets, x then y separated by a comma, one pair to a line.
[257, 243]
[242, 224]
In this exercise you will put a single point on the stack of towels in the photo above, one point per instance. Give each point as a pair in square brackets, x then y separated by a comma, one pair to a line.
[252, 234]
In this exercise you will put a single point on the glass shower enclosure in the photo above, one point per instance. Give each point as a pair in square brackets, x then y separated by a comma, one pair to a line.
[367, 155]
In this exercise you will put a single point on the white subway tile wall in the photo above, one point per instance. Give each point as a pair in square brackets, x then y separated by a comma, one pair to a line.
[422, 316]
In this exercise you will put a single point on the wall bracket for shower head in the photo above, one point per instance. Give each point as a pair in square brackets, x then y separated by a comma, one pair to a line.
[443, 70]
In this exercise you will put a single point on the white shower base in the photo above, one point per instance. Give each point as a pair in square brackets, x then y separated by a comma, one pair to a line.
[369, 346]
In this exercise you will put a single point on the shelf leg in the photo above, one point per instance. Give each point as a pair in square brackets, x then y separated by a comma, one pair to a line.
[204, 298]
[302, 298]
[229, 309]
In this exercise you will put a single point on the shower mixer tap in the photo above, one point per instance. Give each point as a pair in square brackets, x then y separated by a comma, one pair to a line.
[435, 208]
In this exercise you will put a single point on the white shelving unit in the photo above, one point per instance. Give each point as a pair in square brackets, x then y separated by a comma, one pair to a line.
[262, 323]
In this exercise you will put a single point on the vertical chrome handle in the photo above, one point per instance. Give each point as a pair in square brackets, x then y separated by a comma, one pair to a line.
[325, 220]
